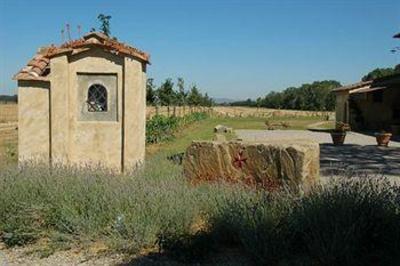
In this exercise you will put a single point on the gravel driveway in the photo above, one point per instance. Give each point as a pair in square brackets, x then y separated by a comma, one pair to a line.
[360, 156]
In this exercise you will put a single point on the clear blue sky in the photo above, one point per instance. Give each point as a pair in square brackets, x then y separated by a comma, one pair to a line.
[229, 48]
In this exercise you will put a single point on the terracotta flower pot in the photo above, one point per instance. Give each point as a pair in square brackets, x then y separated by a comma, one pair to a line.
[383, 138]
[338, 137]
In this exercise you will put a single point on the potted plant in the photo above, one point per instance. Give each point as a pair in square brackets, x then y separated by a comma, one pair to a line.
[383, 138]
[339, 133]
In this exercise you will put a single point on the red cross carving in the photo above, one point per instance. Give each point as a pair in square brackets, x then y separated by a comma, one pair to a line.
[239, 160]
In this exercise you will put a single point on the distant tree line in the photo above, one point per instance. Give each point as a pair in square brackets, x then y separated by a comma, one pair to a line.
[382, 72]
[9, 98]
[169, 94]
[316, 96]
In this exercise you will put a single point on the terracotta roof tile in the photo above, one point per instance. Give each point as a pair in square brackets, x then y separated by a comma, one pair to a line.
[378, 82]
[38, 63]
[35, 69]
[353, 86]
[38, 67]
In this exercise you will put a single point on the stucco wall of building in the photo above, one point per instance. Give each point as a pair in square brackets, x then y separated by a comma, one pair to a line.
[33, 121]
[50, 113]
[342, 106]
[378, 115]
[59, 109]
[95, 142]
[134, 113]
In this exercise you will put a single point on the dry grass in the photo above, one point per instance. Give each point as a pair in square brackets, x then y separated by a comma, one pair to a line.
[237, 111]
[8, 113]
[8, 142]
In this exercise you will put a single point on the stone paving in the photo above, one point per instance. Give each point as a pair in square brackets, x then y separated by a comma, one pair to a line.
[359, 156]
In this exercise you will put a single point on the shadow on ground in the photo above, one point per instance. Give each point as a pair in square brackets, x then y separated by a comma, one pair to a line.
[226, 257]
[351, 159]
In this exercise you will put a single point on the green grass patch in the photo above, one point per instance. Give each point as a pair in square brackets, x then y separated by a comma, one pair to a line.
[161, 128]
[204, 130]
[173, 135]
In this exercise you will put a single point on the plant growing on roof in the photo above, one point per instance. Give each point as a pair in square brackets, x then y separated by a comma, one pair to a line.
[105, 23]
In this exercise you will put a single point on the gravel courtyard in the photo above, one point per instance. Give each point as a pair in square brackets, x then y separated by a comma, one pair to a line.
[360, 156]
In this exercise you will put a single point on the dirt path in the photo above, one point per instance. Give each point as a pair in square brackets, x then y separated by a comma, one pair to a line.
[27, 256]
[320, 124]
[35, 255]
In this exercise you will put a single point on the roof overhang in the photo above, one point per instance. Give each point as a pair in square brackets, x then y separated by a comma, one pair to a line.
[38, 68]
[353, 87]
[367, 89]
[383, 82]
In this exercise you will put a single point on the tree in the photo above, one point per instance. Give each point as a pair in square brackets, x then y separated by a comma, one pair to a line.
[378, 73]
[316, 96]
[8, 98]
[381, 72]
[104, 23]
[291, 98]
[181, 94]
[248, 102]
[166, 93]
[150, 91]
[194, 96]
[207, 101]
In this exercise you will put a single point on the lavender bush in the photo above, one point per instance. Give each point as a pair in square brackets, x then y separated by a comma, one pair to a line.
[348, 222]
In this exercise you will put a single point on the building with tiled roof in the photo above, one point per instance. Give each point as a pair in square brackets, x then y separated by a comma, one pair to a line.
[38, 67]
[370, 105]
[83, 102]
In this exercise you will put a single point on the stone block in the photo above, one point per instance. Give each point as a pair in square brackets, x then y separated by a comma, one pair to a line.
[270, 165]
[219, 129]
[219, 137]
[228, 130]
[222, 129]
